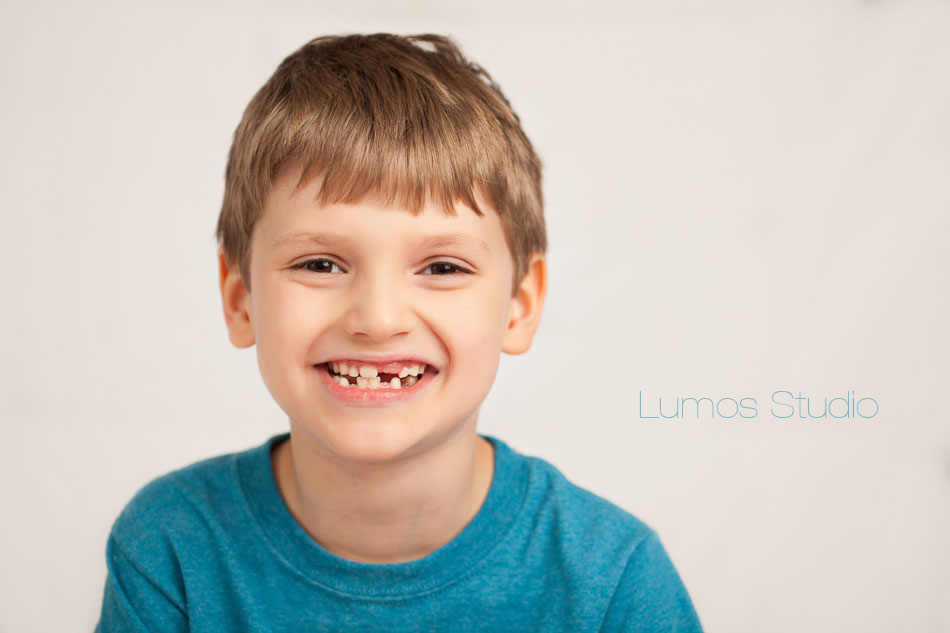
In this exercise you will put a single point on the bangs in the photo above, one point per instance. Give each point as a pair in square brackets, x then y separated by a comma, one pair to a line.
[387, 130]
[404, 159]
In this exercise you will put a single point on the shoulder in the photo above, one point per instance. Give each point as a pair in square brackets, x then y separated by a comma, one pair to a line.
[170, 511]
[165, 539]
[179, 488]
[620, 557]
[584, 530]
[580, 511]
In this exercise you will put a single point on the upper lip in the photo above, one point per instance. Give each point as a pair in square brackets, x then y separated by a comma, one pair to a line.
[380, 359]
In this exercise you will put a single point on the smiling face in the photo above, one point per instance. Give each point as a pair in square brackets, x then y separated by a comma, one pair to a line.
[375, 288]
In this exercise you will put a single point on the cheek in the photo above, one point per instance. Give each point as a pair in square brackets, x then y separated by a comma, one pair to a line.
[473, 330]
[287, 320]
[287, 323]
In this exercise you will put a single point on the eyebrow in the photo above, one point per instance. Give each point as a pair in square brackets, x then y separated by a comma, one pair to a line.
[444, 240]
[426, 242]
[318, 238]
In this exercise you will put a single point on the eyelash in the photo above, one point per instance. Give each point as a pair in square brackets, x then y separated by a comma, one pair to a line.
[457, 269]
[303, 265]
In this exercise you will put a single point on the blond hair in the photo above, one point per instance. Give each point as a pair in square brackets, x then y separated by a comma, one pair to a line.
[405, 119]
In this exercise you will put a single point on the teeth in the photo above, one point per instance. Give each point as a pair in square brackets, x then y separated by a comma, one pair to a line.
[367, 376]
[368, 371]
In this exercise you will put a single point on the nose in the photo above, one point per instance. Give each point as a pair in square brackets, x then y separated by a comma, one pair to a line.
[377, 310]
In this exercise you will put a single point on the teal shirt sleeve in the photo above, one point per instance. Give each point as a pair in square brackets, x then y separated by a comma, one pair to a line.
[145, 587]
[650, 596]
[135, 602]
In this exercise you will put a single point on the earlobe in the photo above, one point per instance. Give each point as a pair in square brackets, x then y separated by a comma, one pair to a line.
[235, 300]
[524, 315]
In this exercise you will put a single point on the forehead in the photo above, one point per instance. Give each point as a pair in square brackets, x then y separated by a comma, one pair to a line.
[292, 215]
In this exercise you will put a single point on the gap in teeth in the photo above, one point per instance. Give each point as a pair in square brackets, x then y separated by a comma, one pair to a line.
[369, 377]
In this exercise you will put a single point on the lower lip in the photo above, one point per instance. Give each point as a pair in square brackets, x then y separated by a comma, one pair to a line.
[372, 397]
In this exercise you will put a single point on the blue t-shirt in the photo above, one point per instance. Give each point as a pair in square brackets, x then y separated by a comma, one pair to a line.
[213, 547]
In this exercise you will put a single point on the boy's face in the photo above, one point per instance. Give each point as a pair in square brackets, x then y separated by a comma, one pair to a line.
[387, 290]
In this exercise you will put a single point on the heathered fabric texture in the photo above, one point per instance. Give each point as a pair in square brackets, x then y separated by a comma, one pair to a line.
[213, 548]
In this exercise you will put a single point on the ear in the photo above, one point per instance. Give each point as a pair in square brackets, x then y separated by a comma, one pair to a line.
[236, 300]
[524, 313]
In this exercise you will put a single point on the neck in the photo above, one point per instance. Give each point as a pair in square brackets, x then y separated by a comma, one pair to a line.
[385, 513]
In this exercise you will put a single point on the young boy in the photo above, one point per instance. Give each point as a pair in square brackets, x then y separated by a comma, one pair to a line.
[382, 241]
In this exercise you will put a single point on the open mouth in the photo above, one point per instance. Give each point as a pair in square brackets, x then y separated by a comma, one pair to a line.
[397, 375]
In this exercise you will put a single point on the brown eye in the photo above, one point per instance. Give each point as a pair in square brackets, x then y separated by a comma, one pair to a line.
[444, 268]
[318, 266]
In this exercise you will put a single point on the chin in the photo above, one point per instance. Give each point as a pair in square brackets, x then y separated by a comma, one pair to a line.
[372, 443]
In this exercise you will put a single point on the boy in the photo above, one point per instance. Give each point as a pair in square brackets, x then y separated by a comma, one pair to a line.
[382, 241]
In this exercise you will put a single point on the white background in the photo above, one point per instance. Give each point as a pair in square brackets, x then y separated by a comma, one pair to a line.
[741, 197]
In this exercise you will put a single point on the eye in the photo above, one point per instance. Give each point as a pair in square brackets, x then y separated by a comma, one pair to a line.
[318, 266]
[444, 268]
